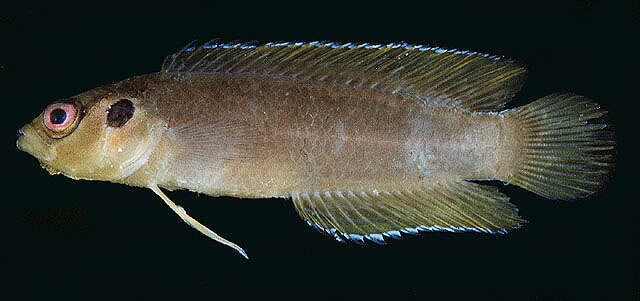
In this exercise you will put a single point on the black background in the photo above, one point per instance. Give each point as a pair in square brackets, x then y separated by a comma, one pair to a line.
[66, 238]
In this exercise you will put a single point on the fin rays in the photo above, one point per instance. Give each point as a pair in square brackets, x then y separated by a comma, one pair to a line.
[374, 215]
[567, 150]
[467, 80]
[200, 140]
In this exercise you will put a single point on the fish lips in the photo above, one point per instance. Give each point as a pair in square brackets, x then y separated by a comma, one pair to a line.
[29, 141]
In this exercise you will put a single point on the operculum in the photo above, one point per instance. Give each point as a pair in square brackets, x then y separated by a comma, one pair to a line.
[124, 156]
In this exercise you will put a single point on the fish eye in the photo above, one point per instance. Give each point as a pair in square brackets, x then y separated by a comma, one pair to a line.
[59, 117]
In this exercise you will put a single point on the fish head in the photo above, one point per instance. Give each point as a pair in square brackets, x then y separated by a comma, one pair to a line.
[97, 135]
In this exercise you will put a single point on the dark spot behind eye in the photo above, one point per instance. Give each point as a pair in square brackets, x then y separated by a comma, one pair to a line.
[120, 112]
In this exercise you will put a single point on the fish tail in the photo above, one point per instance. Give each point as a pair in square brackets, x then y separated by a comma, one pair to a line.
[564, 148]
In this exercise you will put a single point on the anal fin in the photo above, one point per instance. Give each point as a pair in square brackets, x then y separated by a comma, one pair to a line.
[375, 215]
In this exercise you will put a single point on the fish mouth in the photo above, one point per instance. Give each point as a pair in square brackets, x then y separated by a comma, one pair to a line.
[18, 136]
[21, 140]
[30, 142]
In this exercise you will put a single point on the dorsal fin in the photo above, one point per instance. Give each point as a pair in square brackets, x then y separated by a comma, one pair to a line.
[468, 80]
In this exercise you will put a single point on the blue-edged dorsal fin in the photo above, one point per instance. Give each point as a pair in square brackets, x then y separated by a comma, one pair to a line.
[376, 215]
[467, 80]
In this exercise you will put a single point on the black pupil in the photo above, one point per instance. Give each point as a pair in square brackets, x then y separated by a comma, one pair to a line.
[58, 116]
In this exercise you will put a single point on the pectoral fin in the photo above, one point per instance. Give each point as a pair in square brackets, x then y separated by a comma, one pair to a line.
[195, 224]
[455, 207]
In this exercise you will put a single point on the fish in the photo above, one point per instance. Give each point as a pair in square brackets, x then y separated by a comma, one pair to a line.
[370, 142]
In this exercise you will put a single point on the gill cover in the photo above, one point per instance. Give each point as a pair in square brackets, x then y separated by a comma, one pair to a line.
[129, 133]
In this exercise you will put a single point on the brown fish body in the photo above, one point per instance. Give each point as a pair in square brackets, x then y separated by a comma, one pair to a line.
[368, 141]
[297, 136]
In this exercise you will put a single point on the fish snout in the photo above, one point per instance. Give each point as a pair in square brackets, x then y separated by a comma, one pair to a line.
[29, 141]
[19, 134]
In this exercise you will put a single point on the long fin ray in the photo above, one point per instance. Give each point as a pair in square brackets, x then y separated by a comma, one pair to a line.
[195, 224]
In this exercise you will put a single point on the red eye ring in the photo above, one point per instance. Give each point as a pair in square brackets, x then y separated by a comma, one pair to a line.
[59, 116]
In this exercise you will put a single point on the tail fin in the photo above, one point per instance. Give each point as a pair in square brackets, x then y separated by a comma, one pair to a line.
[566, 149]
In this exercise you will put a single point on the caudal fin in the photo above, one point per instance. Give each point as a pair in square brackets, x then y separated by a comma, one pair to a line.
[566, 149]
